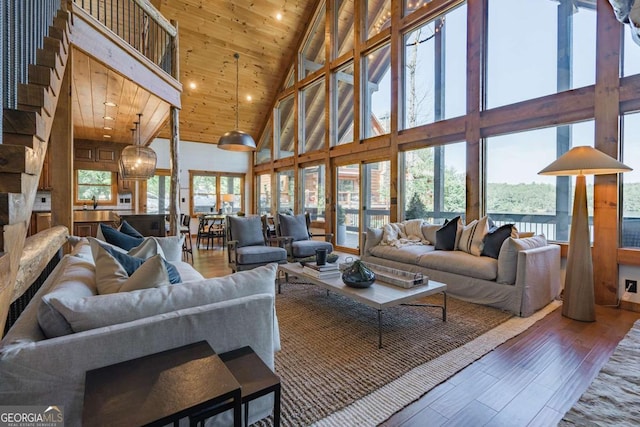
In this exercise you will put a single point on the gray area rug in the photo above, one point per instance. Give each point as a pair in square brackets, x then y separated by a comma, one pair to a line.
[613, 398]
[330, 359]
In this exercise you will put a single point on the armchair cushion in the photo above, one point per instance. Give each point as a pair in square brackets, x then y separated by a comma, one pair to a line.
[247, 231]
[260, 254]
[294, 226]
[305, 248]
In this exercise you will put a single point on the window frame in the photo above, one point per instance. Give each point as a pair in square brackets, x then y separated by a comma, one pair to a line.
[113, 201]
[218, 175]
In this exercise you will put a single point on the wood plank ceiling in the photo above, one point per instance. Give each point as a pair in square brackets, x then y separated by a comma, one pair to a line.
[210, 32]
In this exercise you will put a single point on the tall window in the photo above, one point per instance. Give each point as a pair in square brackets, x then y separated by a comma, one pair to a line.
[348, 206]
[631, 58]
[286, 191]
[313, 186]
[312, 128]
[343, 27]
[285, 131]
[376, 92]
[631, 181]
[377, 17]
[263, 154]
[435, 66]
[203, 192]
[376, 205]
[231, 193]
[263, 190]
[98, 184]
[434, 182]
[411, 5]
[159, 192]
[312, 56]
[554, 55]
[342, 111]
[517, 194]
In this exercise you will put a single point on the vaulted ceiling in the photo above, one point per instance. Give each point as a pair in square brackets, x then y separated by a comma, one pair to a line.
[210, 32]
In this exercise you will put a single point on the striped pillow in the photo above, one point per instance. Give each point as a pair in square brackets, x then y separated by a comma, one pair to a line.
[472, 235]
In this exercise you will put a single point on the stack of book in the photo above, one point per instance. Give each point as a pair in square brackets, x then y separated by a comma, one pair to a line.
[326, 271]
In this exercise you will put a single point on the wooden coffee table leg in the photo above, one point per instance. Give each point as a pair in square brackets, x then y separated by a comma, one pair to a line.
[379, 328]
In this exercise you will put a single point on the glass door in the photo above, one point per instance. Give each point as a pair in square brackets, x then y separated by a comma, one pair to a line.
[348, 206]
[376, 186]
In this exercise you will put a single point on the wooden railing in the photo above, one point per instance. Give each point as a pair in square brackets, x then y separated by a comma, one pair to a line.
[26, 24]
[139, 24]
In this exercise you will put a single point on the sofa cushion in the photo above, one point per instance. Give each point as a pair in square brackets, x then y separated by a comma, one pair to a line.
[406, 254]
[446, 236]
[115, 237]
[305, 248]
[493, 240]
[128, 229]
[462, 263]
[104, 310]
[260, 254]
[75, 279]
[472, 235]
[429, 232]
[247, 231]
[293, 226]
[508, 258]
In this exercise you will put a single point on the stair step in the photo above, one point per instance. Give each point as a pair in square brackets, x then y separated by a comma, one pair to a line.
[23, 123]
[44, 76]
[18, 159]
[51, 59]
[14, 182]
[60, 34]
[12, 208]
[32, 97]
[17, 139]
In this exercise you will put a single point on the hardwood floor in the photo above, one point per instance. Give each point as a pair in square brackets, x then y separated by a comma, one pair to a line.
[531, 380]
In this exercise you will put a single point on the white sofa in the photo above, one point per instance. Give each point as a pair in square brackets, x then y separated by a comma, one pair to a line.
[228, 312]
[520, 281]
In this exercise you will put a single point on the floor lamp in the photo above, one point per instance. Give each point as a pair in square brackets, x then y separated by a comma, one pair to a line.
[578, 301]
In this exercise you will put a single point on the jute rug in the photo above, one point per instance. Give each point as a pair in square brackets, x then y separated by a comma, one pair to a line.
[613, 398]
[333, 373]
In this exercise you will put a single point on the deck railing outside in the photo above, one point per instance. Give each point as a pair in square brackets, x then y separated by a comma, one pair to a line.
[139, 24]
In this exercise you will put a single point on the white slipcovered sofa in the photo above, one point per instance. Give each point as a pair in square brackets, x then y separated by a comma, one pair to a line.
[228, 312]
[524, 278]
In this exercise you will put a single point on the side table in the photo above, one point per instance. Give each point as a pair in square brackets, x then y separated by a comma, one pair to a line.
[160, 388]
[256, 380]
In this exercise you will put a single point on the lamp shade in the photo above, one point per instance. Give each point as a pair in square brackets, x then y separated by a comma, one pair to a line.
[227, 198]
[137, 162]
[584, 160]
[236, 140]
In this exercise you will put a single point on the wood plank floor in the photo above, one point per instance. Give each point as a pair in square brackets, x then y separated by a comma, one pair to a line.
[531, 380]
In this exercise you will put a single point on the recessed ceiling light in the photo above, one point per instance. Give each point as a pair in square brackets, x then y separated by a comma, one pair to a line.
[192, 85]
[249, 98]
[108, 118]
[279, 16]
[110, 104]
[107, 128]
[106, 136]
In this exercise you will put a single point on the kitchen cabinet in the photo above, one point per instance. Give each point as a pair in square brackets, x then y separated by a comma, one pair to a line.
[96, 155]
[85, 229]
[44, 184]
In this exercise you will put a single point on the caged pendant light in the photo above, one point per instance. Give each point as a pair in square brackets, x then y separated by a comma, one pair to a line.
[137, 162]
[236, 140]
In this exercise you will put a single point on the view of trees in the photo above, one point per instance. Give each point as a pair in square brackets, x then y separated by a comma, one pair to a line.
[94, 183]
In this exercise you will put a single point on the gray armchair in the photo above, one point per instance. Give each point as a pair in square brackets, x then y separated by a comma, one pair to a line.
[295, 235]
[247, 244]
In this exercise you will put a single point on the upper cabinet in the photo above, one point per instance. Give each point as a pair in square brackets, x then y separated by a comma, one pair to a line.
[96, 155]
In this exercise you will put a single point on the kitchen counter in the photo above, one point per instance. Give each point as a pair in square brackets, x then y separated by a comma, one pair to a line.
[93, 216]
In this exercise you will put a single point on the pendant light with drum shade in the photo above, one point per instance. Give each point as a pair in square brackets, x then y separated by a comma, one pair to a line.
[236, 140]
[137, 162]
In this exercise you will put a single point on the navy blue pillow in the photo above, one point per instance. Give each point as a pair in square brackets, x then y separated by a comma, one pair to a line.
[122, 240]
[446, 235]
[131, 264]
[127, 229]
[492, 242]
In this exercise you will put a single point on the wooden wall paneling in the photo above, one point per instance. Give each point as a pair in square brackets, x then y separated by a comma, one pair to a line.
[605, 217]
[476, 25]
[61, 141]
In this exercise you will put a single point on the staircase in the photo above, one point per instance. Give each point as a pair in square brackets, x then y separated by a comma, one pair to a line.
[26, 132]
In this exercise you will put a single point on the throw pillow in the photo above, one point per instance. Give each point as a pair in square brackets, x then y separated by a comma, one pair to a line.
[472, 235]
[247, 231]
[429, 232]
[446, 236]
[508, 258]
[115, 237]
[492, 242]
[293, 226]
[374, 237]
[128, 229]
[171, 247]
[151, 274]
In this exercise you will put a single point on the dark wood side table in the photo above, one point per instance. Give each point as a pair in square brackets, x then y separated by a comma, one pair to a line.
[256, 380]
[161, 388]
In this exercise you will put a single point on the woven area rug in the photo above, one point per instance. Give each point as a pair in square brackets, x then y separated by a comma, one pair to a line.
[613, 398]
[333, 373]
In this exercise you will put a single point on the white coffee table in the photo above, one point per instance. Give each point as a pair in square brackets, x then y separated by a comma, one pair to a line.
[379, 295]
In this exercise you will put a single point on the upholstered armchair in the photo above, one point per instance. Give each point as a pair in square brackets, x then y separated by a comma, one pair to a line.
[247, 244]
[295, 236]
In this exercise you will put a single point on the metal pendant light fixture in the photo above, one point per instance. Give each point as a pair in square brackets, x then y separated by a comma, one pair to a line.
[137, 162]
[236, 140]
